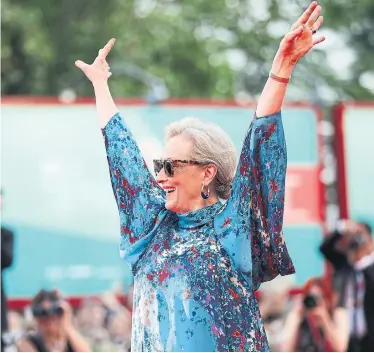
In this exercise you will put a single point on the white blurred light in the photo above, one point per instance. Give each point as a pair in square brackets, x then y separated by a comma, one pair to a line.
[203, 32]
[341, 60]
[79, 271]
[327, 176]
[144, 8]
[172, 9]
[224, 35]
[290, 9]
[236, 58]
[332, 215]
[334, 39]
[252, 68]
[327, 93]
[246, 24]
[258, 10]
[277, 29]
[325, 128]
[67, 96]
[232, 3]
[367, 80]
[243, 98]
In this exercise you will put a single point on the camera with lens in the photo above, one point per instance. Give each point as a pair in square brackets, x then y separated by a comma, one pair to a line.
[356, 242]
[54, 309]
[310, 301]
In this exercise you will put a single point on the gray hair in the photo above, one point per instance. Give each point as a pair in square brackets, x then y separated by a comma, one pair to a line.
[211, 145]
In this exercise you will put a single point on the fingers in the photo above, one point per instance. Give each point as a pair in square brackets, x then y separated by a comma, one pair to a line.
[313, 17]
[317, 24]
[81, 65]
[105, 51]
[305, 16]
[290, 36]
[318, 40]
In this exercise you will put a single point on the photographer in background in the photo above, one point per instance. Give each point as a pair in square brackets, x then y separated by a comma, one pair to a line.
[316, 324]
[350, 250]
[54, 328]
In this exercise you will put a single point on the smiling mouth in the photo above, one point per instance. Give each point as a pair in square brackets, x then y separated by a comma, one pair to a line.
[169, 191]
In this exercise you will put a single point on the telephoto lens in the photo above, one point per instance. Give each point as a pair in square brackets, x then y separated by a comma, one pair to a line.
[310, 301]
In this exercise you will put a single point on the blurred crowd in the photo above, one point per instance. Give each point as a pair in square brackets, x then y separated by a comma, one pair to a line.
[334, 313]
[329, 314]
[50, 323]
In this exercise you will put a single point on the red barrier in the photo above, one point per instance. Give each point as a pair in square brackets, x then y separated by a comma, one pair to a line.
[18, 304]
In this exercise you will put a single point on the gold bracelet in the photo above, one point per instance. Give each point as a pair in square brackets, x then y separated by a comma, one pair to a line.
[279, 79]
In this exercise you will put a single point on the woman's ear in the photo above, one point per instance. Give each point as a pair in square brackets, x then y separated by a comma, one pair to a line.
[210, 173]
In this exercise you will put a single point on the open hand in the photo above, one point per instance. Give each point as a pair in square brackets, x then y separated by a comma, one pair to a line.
[299, 40]
[99, 70]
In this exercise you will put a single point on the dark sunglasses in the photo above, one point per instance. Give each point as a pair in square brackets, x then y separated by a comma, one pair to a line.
[169, 164]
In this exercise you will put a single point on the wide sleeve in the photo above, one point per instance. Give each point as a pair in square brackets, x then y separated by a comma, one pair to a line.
[139, 198]
[250, 224]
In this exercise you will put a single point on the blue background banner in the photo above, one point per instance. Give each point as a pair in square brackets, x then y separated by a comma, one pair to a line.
[59, 202]
[356, 135]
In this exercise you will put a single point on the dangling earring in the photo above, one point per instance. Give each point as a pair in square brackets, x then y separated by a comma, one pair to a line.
[203, 194]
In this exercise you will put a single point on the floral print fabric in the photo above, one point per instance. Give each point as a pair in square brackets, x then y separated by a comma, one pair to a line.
[195, 274]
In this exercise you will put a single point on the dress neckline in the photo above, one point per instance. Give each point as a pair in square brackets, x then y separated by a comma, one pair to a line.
[199, 217]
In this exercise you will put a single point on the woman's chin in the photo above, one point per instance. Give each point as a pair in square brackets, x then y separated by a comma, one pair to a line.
[171, 205]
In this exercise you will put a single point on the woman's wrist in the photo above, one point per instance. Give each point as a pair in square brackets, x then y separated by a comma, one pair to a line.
[100, 84]
[282, 67]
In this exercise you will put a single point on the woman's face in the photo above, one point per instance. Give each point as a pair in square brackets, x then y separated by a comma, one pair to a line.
[183, 190]
[48, 324]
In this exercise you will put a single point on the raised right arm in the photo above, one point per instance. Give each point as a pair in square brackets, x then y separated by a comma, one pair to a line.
[139, 199]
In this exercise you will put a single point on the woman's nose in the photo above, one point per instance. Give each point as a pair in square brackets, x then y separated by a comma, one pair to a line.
[161, 177]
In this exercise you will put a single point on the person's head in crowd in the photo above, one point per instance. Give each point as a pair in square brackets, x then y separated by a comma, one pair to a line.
[357, 241]
[47, 311]
[55, 331]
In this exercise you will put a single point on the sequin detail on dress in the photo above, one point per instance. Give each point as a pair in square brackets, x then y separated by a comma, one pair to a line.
[195, 273]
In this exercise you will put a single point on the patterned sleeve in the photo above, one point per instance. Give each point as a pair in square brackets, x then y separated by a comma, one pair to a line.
[138, 196]
[251, 222]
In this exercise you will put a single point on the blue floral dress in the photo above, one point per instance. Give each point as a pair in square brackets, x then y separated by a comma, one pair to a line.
[195, 274]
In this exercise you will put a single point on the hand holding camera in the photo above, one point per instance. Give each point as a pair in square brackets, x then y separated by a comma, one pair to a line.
[315, 309]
